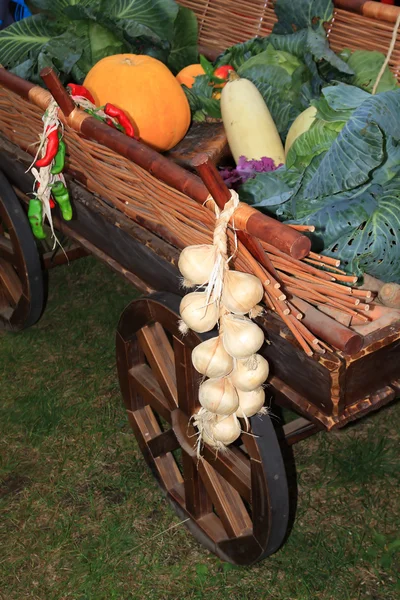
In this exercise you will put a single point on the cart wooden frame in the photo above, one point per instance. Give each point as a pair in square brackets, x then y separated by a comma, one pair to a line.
[237, 502]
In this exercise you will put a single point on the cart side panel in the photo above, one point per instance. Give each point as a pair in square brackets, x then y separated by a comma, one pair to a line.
[377, 367]
[316, 379]
[132, 247]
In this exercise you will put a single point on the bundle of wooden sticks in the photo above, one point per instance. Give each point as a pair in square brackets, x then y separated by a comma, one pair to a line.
[318, 281]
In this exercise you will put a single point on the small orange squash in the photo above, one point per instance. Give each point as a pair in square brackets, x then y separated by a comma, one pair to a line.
[188, 74]
[147, 91]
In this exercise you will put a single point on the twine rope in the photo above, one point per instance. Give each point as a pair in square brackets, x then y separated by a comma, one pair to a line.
[388, 55]
[220, 241]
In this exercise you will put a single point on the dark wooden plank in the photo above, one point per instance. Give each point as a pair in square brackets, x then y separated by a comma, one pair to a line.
[227, 501]
[187, 379]
[6, 250]
[298, 430]
[376, 368]
[208, 138]
[198, 502]
[231, 468]
[163, 443]
[310, 377]
[10, 283]
[146, 385]
[209, 524]
[146, 427]
[157, 349]
[54, 259]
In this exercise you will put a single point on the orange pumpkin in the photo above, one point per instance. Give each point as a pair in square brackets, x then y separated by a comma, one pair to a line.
[188, 74]
[147, 91]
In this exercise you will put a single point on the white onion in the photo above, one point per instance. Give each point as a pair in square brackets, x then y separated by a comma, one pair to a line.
[241, 292]
[241, 337]
[211, 359]
[196, 263]
[250, 373]
[197, 314]
[223, 429]
[219, 396]
[250, 403]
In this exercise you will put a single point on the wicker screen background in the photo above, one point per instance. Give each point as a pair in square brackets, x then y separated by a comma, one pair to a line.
[226, 22]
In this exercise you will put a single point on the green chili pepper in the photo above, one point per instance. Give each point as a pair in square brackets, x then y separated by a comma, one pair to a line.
[35, 216]
[59, 159]
[61, 196]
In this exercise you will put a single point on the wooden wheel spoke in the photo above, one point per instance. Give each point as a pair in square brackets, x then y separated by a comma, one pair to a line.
[146, 428]
[6, 250]
[10, 283]
[187, 380]
[233, 466]
[157, 349]
[163, 443]
[198, 502]
[146, 385]
[227, 501]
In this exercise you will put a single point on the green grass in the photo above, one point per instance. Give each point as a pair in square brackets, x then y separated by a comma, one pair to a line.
[81, 512]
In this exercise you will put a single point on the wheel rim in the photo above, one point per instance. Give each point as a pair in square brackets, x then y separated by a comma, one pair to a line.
[237, 501]
[21, 283]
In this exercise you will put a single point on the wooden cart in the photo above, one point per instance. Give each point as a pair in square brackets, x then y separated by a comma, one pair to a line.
[237, 502]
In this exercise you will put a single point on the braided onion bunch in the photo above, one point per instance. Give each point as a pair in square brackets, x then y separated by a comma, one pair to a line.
[233, 371]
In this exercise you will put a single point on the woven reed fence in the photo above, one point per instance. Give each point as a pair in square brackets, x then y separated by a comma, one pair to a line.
[356, 24]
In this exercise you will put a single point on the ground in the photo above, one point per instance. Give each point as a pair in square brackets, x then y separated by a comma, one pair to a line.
[84, 520]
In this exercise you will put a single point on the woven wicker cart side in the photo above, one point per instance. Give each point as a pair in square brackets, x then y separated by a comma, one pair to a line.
[357, 24]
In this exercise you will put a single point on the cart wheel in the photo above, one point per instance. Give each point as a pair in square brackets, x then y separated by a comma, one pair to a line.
[21, 282]
[237, 501]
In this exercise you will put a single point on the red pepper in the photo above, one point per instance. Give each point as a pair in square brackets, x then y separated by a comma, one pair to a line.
[51, 150]
[110, 123]
[80, 90]
[122, 118]
[223, 71]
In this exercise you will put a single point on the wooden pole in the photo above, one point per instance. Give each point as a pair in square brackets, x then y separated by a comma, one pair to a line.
[248, 219]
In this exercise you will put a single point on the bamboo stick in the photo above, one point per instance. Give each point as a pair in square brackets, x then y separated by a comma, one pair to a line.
[310, 228]
[322, 265]
[325, 259]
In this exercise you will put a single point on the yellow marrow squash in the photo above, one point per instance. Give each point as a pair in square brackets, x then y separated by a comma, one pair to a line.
[249, 127]
[300, 125]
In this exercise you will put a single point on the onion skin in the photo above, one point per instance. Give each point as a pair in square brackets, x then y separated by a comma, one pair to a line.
[219, 396]
[223, 429]
[196, 263]
[197, 314]
[250, 403]
[211, 359]
[242, 292]
[241, 337]
[246, 378]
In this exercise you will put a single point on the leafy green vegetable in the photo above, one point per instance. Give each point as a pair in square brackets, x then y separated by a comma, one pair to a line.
[300, 14]
[366, 66]
[344, 179]
[317, 139]
[240, 53]
[24, 37]
[72, 36]
[184, 49]
[200, 99]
